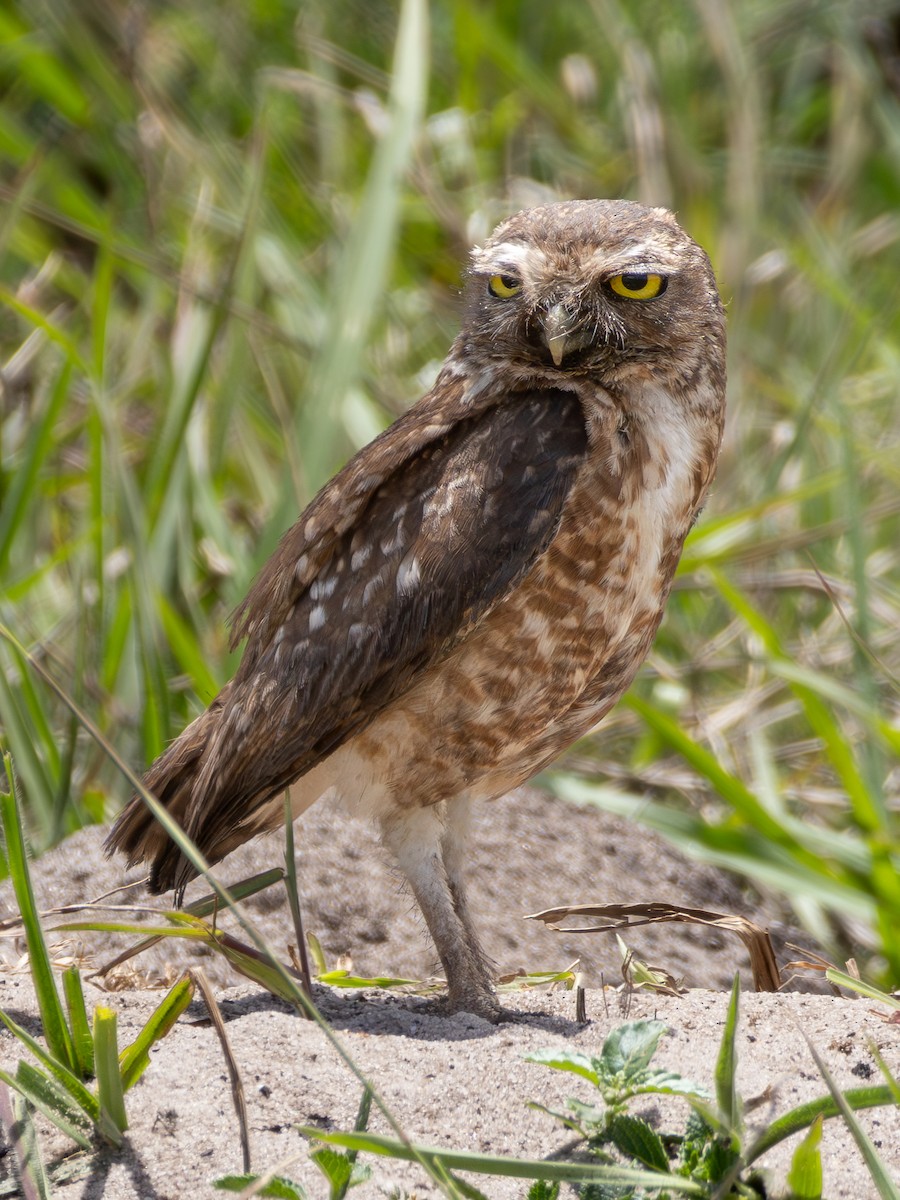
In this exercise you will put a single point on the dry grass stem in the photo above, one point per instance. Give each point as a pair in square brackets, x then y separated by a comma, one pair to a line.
[766, 975]
[234, 1075]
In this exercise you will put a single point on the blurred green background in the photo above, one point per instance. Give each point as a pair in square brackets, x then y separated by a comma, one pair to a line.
[231, 243]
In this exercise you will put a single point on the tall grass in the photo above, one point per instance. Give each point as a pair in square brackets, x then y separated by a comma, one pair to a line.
[230, 243]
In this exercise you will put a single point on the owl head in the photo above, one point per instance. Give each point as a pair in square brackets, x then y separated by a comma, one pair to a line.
[588, 288]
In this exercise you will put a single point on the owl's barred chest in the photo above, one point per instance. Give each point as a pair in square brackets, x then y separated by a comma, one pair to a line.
[611, 562]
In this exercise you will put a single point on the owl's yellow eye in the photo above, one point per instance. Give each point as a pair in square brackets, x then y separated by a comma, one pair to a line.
[638, 286]
[504, 286]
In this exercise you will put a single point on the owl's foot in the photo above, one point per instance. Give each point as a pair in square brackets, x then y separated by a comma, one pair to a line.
[482, 1003]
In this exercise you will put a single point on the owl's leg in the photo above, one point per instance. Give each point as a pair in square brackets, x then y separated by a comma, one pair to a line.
[420, 840]
[454, 839]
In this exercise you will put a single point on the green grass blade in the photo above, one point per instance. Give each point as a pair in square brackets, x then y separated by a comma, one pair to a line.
[360, 1125]
[361, 274]
[867, 805]
[201, 907]
[842, 979]
[34, 63]
[33, 770]
[186, 648]
[53, 1018]
[38, 320]
[803, 1115]
[166, 476]
[805, 1174]
[158, 931]
[50, 1099]
[741, 850]
[258, 967]
[892, 1082]
[82, 1041]
[728, 786]
[726, 1064]
[66, 1078]
[293, 893]
[513, 1168]
[887, 1188]
[110, 1092]
[320, 962]
[40, 443]
[344, 979]
[16, 1121]
[135, 1058]
[836, 693]
[238, 891]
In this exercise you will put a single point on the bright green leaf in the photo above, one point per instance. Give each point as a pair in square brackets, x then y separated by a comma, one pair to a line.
[805, 1175]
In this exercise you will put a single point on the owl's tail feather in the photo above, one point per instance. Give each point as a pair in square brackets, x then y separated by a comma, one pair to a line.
[172, 779]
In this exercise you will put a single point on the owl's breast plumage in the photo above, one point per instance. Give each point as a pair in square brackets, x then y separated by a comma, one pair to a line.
[551, 657]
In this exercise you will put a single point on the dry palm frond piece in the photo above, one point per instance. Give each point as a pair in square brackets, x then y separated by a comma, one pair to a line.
[766, 976]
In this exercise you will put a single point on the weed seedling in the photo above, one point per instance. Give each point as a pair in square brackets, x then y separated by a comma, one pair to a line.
[713, 1151]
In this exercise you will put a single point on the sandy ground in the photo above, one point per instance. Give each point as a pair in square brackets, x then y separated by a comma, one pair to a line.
[456, 1082]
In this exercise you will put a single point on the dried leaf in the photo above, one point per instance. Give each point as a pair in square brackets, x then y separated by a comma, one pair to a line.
[766, 976]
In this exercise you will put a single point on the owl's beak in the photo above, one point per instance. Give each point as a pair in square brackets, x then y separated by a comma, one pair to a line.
[557, 324]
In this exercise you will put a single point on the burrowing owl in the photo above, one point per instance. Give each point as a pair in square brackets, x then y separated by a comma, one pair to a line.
[479, 585]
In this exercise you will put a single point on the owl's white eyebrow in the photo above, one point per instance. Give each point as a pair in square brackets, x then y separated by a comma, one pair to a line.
[641, 252]
[507, 255]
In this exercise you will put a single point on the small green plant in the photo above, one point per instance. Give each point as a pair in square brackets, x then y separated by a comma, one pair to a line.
[541, 1190]
[621, 1072]
[76, 1049]
[713, 1150]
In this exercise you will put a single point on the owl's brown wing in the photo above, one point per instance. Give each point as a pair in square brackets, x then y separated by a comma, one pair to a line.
[444, 531]
[451, 530]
